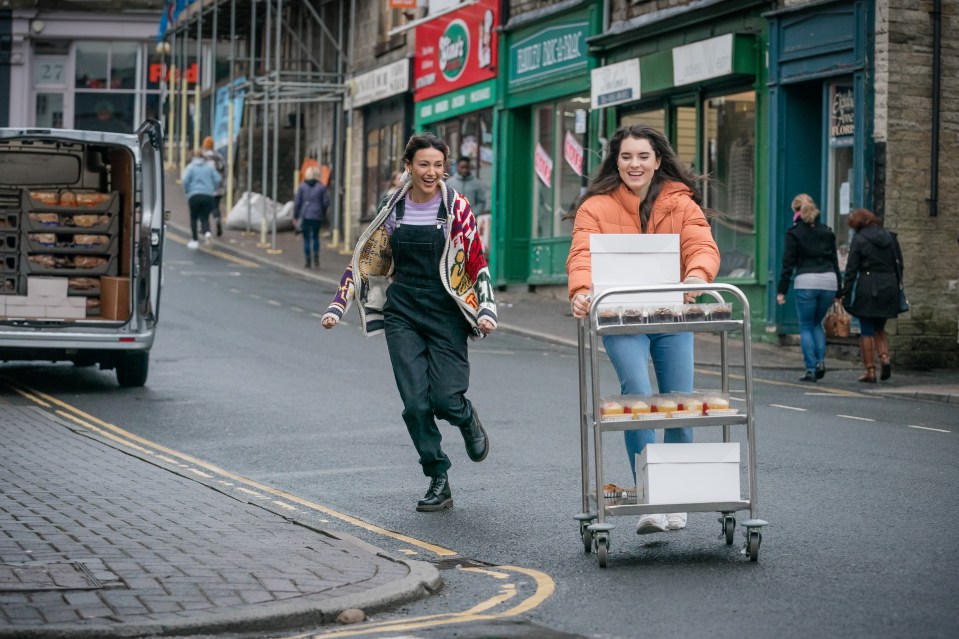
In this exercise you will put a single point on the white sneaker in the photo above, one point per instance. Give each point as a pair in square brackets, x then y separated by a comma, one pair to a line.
[676, 521]
[208, 238]
[193, 245]
[651, 524]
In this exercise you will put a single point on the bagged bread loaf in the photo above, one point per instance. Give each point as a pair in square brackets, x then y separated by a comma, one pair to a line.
[45, 219]
[90, 241]
[68, 198]
[88, 261]
[92, 199]
[46, 197]
[44, 239]
[83, 284]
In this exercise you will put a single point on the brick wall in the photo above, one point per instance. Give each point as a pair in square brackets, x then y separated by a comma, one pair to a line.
[927, 335]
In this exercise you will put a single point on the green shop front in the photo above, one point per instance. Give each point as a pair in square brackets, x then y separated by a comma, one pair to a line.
[699, 78]
[821, 121]
[546, 120]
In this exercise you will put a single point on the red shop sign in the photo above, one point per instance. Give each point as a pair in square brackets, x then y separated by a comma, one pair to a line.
[456, 50]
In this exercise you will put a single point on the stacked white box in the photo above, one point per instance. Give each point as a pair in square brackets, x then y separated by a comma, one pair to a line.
[632, 260]
[688, 473]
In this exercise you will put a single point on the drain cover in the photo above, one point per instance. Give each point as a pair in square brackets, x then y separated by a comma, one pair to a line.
[47, 576]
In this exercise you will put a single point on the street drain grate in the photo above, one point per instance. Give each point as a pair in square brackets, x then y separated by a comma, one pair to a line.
[452, 564]
[47, 576]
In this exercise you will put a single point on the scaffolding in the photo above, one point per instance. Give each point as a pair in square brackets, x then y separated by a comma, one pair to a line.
[285, 58]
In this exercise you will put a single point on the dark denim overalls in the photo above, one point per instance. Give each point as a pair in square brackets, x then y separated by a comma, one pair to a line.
[426, 334]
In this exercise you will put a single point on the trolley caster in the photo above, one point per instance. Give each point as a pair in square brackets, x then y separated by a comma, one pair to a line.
[751, 548]
[600, 533]
[754, 538]
[584, 532]
[728, 523]
[602, 550]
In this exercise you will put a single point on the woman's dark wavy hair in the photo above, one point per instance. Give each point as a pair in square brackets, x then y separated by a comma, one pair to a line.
[422, 141]
[607, 178]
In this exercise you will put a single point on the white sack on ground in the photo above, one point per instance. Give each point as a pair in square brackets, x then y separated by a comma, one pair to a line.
[237, 217]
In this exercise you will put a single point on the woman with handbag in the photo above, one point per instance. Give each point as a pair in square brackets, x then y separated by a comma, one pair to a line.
[810, 251]
[419, 274]
[870, 288]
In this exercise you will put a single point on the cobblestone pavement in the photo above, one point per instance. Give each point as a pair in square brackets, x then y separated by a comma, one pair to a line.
[99, 542]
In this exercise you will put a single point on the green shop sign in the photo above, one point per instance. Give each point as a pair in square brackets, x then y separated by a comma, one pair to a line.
[455, 103]
[547, 52]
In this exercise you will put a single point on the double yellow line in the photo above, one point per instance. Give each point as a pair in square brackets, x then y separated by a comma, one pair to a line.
[543, 584]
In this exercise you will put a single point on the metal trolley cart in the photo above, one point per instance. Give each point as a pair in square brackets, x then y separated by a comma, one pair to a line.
[597, 509]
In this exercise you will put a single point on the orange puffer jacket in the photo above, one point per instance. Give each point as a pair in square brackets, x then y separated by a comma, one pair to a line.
[674, 211]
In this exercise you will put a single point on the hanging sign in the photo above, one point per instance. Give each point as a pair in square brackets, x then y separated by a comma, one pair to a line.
[543, 164]
[573, 153]
[615, 83]
[456, 50]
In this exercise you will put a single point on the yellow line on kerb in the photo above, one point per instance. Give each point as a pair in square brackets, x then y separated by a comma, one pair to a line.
[128, 439]
[206, 249]
[544, 589]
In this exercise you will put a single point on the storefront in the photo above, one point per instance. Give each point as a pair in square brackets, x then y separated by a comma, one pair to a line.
[547, 122]
[383, 97]
[88, 71]
[455, 71]
[821, 119]
[701, 82]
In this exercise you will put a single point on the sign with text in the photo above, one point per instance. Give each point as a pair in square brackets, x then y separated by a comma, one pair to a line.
[552, 50]
[543, 165]
[381, 83]
[456, 50]
[573, 153]
[466, 100]
[842, 112]
[703, 60]
[615, 83]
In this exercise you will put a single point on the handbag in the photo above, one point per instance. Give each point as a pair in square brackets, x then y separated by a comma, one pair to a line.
[837, 321]
[903, 302]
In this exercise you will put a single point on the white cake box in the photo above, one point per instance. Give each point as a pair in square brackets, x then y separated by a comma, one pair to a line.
[43, 287]
[631, 260]
[688, 473]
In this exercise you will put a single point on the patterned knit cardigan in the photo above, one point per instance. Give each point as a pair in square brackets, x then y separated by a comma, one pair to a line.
[463, 268]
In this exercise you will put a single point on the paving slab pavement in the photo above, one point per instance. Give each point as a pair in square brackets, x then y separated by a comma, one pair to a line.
[99, 542]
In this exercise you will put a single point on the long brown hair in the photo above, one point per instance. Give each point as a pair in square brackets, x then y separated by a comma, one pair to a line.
[607, 178]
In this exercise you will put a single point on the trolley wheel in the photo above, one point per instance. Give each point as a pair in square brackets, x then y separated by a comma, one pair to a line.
[587, 536]
[753, 539]
[602, 551]
[729, 527]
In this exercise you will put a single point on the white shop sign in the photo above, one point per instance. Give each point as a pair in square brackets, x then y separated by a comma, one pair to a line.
[381, 83]
[703, 60]
[615, 84]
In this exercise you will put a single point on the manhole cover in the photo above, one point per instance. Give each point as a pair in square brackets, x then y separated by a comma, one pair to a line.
[47, 576]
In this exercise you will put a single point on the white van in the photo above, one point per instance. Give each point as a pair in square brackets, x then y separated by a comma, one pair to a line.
[81, 247]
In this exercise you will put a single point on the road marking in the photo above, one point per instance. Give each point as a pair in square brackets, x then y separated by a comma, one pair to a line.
[796, 408]
[862, 419]
[935, 430]
[274, 303]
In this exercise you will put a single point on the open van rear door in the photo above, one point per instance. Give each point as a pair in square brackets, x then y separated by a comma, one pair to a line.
[150, 238]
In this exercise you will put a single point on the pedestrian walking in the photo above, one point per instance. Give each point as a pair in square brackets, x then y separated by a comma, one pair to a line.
[309, 210]
[423, 280]
[642, 187]
[810, 252]
[200, 181]
[217, 161]
[870, 288]
[469, 185]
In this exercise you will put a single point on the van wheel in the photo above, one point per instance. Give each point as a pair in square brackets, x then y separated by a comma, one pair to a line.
[132, 370]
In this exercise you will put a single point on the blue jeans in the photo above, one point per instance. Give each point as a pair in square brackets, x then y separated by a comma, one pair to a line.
[811, 307]
[311, 237]
[672, 355]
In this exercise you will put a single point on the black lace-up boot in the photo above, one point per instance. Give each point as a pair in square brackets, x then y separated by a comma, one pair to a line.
[477, 443]
[438, 495]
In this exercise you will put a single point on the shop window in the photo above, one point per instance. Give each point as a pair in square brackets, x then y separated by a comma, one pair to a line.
[109, 112]
[92, 65]
[729, 141]
[384, 157]
[471, 136]
[839, 165]
[559, 164]
[123, 65]
[389, 20]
